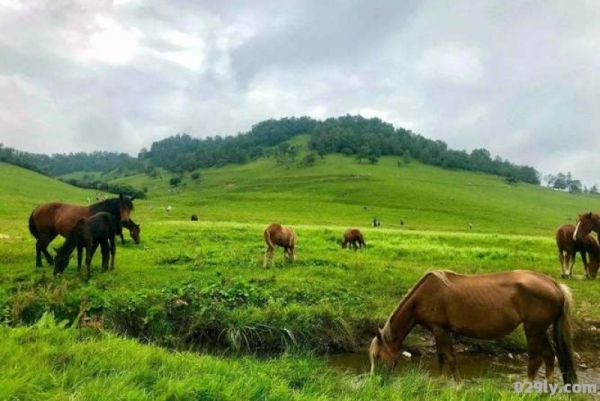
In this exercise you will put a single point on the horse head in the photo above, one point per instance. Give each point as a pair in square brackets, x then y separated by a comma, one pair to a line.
[134, 232]
[125, 207]
[379, 351]
[585, 224]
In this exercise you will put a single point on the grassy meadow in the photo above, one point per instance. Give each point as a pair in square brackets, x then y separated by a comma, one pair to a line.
[191, 314]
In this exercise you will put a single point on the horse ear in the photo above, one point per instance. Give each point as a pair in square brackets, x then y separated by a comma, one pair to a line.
[590, 214]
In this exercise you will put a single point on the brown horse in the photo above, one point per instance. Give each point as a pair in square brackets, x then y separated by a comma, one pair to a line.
[277, 235]
[569, 247]
[354, 237]
[486, 306]
[51, 219]
[586, 223]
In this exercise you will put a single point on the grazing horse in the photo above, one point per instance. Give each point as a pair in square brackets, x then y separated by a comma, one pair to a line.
[134, 231]
[276, 234]
[51, 219]
[586, 223]
[100, 229]
[485, 306]
[569, 247]
[354, 237]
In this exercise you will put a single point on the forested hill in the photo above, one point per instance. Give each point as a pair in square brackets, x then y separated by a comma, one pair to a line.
[362, 138]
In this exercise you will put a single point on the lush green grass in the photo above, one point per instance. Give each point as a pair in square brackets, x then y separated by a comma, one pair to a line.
[201, 284]
[51, 363]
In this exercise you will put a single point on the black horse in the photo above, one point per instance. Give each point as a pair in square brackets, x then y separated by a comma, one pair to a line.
[100, 229]
[134, 230]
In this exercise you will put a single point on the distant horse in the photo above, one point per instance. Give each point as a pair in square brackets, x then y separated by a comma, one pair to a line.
[354, 237]
[486, 306]
[586, 223]
[100, 229]
[134, 231]
[277, 235]
[194, 217]
[51, 219]
[568, 249]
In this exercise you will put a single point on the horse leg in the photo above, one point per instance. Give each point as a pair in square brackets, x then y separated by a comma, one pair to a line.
[292, 253]
[572, 259]
[44, 241]
[38, 254]
[89, 252]
[268, 257]
[79, 257]
[105, 252]
[445, 350]
[585, 264]
[548, 355]
[561, 258]
[113, 252]
[536, 341]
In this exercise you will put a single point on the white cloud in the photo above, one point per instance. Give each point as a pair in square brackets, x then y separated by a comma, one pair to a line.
[110, 42]
[519, 79]
[452, 63]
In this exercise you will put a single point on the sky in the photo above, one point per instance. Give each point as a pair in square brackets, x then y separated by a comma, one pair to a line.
[519, 78]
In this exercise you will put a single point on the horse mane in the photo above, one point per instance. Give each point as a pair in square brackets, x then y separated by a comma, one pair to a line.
[442, 275]
[112, 205]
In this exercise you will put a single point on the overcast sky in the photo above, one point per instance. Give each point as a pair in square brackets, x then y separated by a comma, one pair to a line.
[519, 78]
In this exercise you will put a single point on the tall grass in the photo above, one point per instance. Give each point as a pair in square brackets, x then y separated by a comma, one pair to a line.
[51, 362]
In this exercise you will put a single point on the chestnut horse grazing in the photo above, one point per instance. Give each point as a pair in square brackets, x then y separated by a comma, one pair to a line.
[569, 247]
[100, 229]
[586, 223]
[277, 235]
[354, 237]
[51, 219]
[486, 306]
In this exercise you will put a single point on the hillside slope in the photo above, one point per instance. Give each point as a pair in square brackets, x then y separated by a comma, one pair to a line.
[21, 190]
[339, 191]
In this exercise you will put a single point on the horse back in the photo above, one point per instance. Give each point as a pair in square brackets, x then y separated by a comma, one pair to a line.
[57, 217]
[466, 302]
[278, 235]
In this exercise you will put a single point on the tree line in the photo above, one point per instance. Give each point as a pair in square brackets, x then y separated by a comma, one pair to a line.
[363, 139]
[59, 164]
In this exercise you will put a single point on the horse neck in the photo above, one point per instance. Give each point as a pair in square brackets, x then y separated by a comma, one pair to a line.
[400, 323]
[108, 205]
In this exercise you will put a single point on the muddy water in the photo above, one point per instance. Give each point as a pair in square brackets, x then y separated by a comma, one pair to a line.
[470, 366]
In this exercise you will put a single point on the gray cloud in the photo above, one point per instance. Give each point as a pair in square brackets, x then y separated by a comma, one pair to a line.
[519, 79]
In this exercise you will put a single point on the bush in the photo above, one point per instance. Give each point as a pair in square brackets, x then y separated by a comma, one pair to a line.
[174, 181]
[195, 175]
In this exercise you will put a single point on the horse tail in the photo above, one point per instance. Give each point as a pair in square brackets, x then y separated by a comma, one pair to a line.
[32, 228]
[562, 338]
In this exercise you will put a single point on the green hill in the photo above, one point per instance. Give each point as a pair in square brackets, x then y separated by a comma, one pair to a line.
[21, 190]
[337, 190]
